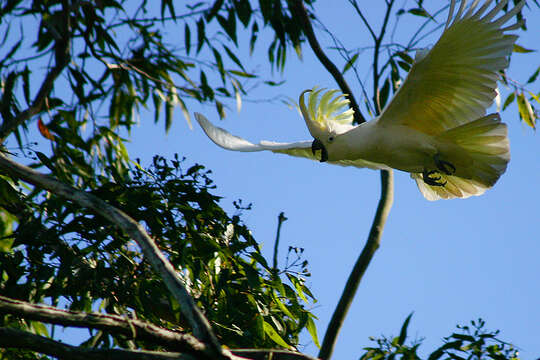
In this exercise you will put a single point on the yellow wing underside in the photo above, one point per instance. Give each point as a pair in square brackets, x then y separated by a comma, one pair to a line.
[455, 82]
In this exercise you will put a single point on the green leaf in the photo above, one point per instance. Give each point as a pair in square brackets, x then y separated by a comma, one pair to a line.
[229, 25]
[272, 334]
[298, 286]
[214, 10]
[220, 110]
[185, 112]
[39, 328]
[253, 39]
[44, 160]
[403, 332]
[350, 63]
[169, 111]
[420, 12]
[244, 11]
[219, 63]
[535, 97]
[201, 36]
[525, 111]
[521, 49]
[405, 57]
[463, 337]
[509, 100]
[234, 57]
[282, 306]
[187, 38]
[454, 345]
[260, 259]
[405, 66]
[243, 74]
[383, 95]
[312, 329]
[9, 196]
[534, 76]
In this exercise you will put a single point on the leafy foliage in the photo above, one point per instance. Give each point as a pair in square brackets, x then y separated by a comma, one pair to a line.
[472, 342]
[70, 256]
[117, 59]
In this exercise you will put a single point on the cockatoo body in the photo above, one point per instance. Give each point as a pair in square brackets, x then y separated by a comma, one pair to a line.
[435, 127]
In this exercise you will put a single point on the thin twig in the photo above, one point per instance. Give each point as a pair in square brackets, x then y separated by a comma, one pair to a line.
[201, 327]
[345, 55]
[376, 52]
[281, 220]
[364, 20]
[301, 14]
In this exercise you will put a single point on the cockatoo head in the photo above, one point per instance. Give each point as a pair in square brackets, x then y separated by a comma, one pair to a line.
[326, 117]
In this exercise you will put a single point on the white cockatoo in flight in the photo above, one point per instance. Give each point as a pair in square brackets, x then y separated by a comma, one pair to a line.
[435, 127]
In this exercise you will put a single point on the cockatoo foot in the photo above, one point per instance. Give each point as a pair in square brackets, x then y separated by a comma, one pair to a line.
[444, 166]
[432, 180]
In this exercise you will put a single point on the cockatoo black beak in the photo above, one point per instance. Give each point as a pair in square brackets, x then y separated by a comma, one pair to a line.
[318, 145]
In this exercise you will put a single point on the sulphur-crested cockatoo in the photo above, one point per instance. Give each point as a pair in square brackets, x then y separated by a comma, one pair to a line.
[435, 127]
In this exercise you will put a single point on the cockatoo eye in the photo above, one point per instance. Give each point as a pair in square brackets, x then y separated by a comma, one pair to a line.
[331, 138]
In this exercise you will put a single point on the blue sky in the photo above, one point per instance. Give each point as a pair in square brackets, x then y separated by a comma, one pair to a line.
[448, 261]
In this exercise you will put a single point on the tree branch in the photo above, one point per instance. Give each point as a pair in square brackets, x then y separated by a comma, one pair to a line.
[201, 327]
[18, 339]
[132, 328]
[376, 74]
[364, 20]
[357, 273]
[300, 12]
[375, 233]
[258, 354]
[281, 219]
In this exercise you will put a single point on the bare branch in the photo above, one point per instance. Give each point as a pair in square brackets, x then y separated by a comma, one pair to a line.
[258, 354]
[376, 73]
[132, 328]
[357, 273]
[374, 237]
[201, 327]
[300, 12]
[17, 339]
[364, 20]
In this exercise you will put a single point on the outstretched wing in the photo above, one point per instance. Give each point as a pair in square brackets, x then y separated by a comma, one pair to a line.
[226, 140]
[455, 82]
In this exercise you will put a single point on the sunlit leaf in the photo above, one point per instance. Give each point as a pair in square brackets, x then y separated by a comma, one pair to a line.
[312, 329]
[520, 49]
[272, 334]
[525, 111]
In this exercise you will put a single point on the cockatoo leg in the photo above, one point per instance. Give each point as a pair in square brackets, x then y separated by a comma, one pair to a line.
[444, 166]
[432, 180]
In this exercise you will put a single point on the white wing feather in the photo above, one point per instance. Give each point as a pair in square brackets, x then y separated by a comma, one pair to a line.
[226, 140]
[455, 81]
